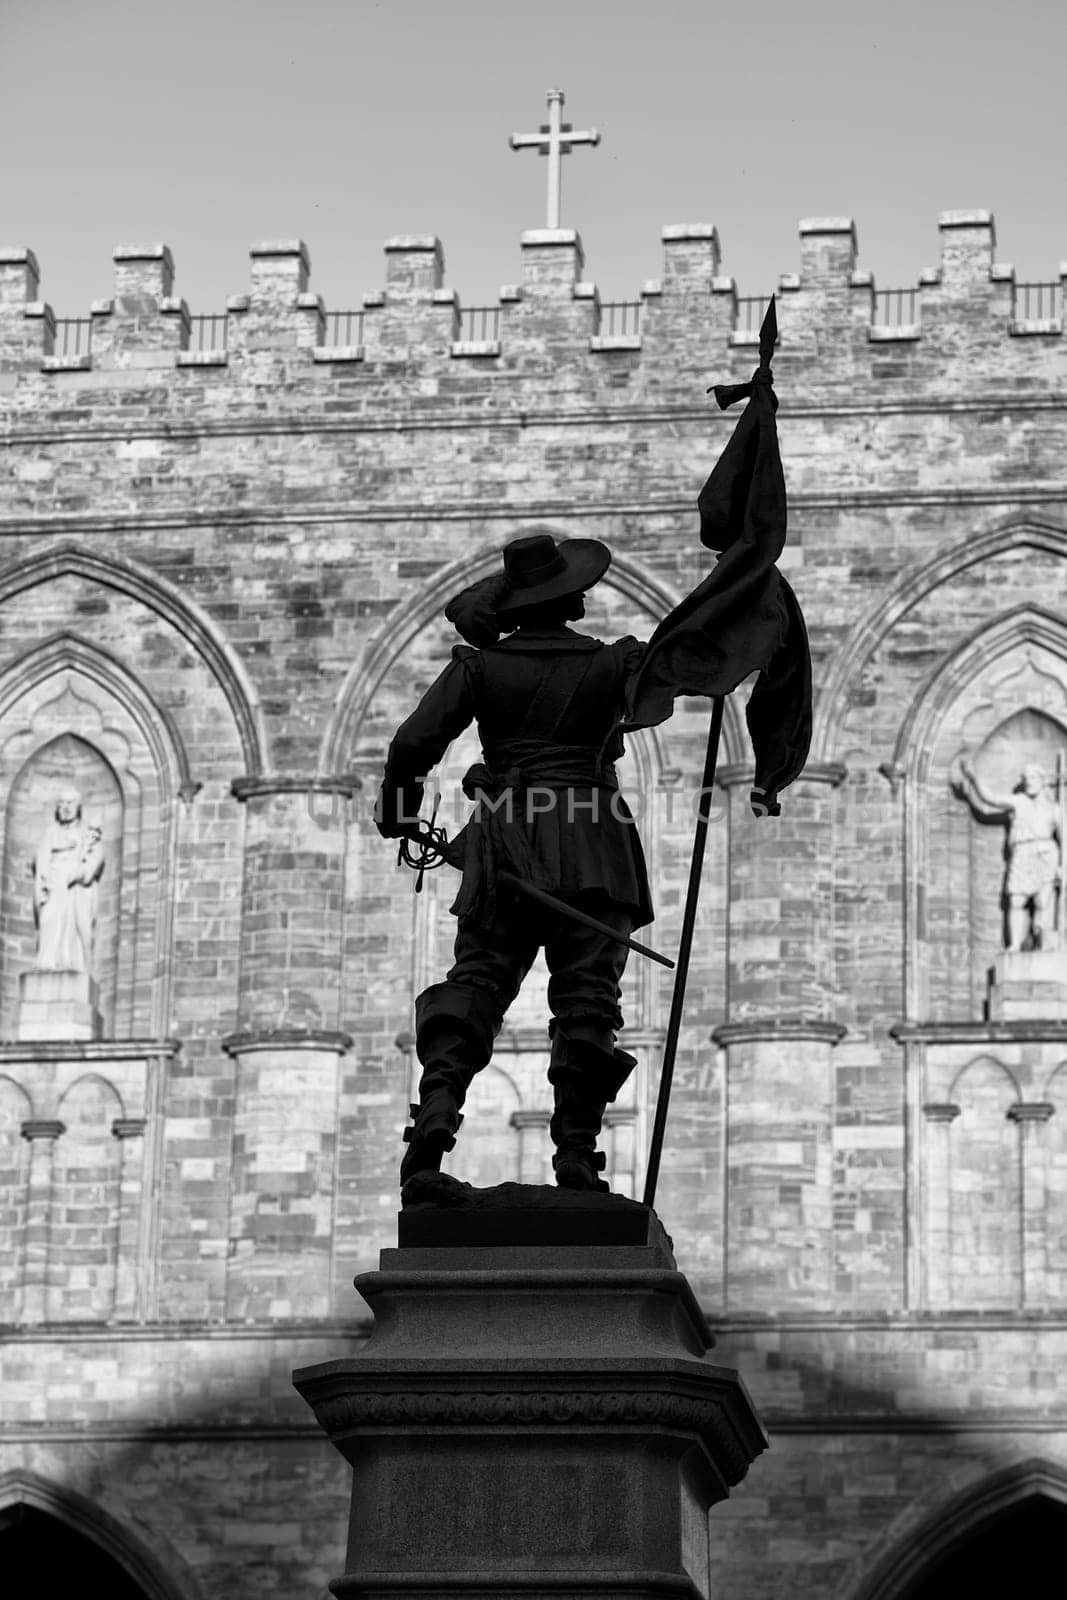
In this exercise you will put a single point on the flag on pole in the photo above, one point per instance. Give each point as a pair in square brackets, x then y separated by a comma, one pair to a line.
[743, 617]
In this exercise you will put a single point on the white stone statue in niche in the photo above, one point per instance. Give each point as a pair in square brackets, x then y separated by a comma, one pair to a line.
[1035, 853]
[66, 870]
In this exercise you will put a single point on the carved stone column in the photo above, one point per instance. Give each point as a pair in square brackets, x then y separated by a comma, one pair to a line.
[936, 1262]
[42, 1134]
[290, 972]
[288, 1046]
[532, 1129]
[282, 1185]
[129, 1287]
[1031, 1117]
[533, 1417]
[779, 1163]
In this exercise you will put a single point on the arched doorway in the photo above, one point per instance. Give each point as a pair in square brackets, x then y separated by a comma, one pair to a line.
[1017, 1549]
[1003, 1535]
[42, 1555]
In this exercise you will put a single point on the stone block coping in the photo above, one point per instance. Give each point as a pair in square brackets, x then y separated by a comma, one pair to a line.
[338, 352]
[826, 225]
[17, 256]
[466, 348]
[541, 236]
[675, 231]
[282, 247]
[413, 241]
[143, 252]
[1035, 325]
[965, 219]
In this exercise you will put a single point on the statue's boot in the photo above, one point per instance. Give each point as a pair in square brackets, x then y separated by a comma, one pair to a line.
[586, 1072]
[454, 1032]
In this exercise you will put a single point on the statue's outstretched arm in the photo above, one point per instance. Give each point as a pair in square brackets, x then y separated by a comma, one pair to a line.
[994, 805]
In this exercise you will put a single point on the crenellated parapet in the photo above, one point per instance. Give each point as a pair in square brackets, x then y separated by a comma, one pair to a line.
[279, 314]
[143, 324]
[836, 325]
[414, 315]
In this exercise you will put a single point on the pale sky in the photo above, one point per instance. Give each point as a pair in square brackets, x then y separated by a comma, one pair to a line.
[212, 124]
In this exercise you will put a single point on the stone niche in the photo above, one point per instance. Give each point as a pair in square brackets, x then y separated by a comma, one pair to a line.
[83, 1054]
[985, 1034]
[68, 727]
[962, 922]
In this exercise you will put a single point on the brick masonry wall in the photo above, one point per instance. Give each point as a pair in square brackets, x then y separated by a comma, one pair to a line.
[240, 560]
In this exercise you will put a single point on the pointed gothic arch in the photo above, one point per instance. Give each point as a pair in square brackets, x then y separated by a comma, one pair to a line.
[921, 1539]
[66, 652]
[908, 591]
[999, 1070]
[65, 558]
[1021, 626]
[139, 742]
[408, 619]
[155, 1569]
[920, 759]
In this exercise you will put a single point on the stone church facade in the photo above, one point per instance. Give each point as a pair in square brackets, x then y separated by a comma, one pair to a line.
[225, 556]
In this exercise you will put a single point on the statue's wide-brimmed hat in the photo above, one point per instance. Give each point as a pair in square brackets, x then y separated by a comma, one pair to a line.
[539, 568]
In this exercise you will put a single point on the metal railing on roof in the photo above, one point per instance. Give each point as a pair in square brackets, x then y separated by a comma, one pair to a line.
[751, 309]
[343, 329]
[207, 333]
[73, 336]
[479, 325]
[1038, 302]
[620, 319]
[896, 308]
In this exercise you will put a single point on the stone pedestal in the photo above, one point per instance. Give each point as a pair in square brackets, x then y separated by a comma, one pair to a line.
[1028, 984]
[534, 1413]
[57, 1005]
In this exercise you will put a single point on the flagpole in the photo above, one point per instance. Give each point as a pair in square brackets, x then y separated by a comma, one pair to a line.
[1061, 922]
[725, 395]
[674, 1024]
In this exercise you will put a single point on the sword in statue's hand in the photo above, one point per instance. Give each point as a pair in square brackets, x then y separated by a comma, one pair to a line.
[428, 846]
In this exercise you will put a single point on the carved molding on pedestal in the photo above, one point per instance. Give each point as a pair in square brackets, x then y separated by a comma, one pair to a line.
[676, 1405]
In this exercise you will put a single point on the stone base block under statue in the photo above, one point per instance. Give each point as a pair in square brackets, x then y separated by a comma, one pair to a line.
[534, 1412]
[57, 1004]
[1026, 985]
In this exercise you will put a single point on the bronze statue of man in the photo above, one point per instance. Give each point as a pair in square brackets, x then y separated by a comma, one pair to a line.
[547, 701]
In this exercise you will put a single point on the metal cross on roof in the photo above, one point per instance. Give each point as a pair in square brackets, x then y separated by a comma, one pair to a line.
[554, 140]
